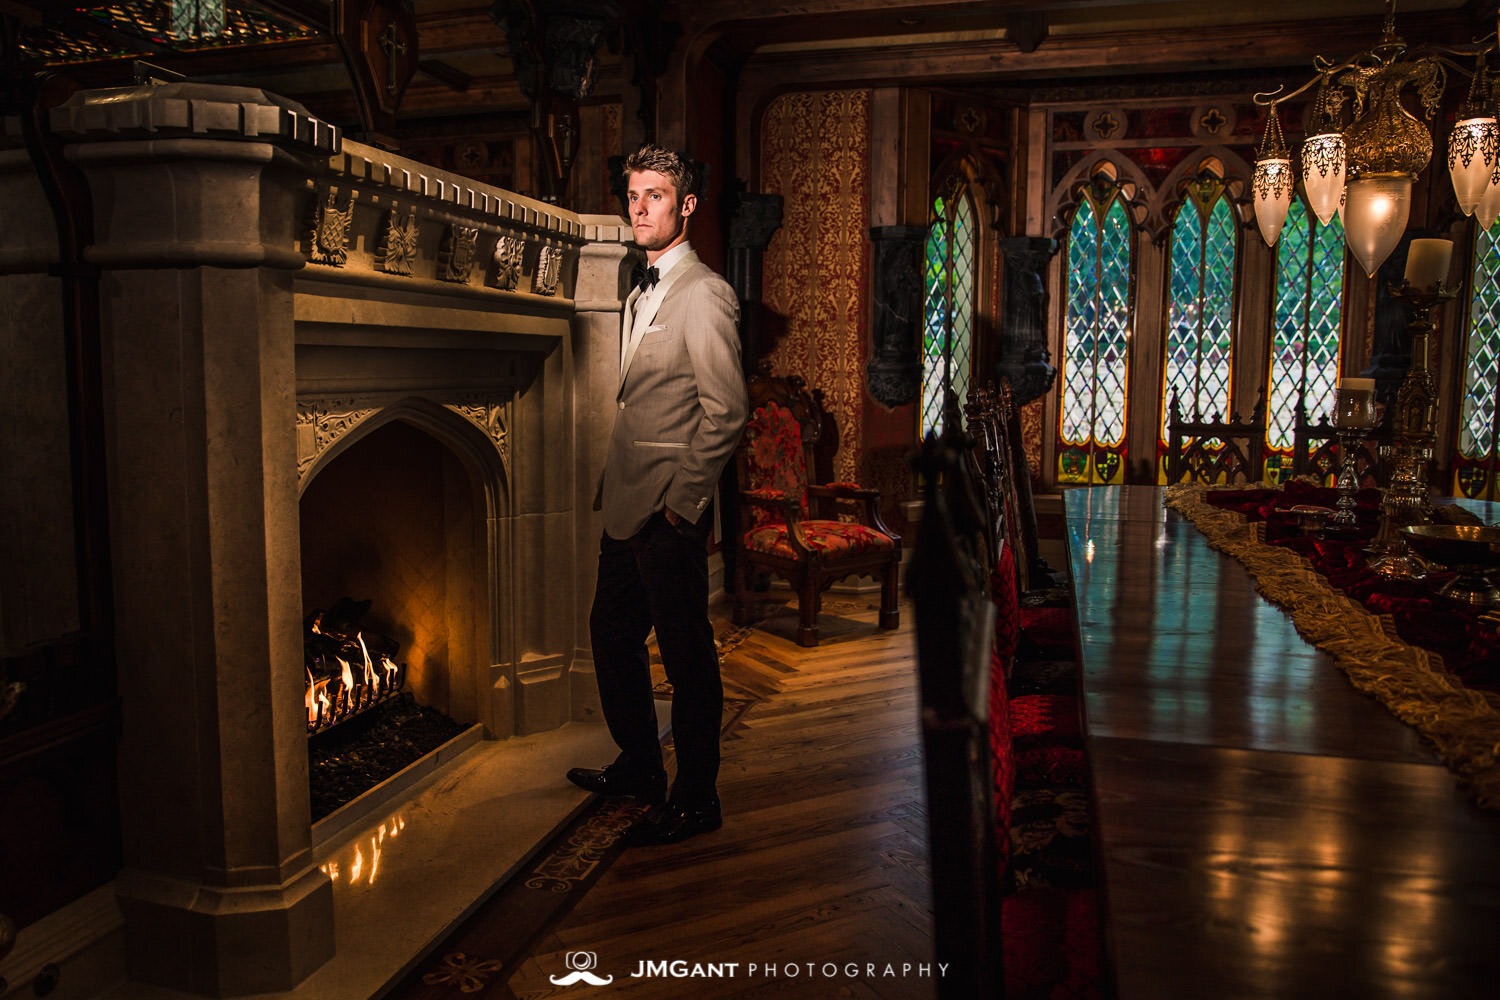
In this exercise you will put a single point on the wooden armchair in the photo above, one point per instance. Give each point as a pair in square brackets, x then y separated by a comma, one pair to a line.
[1211, 451]
[788, 525]
[1315, 452]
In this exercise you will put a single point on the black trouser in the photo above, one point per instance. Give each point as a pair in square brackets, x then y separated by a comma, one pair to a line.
[659, 579]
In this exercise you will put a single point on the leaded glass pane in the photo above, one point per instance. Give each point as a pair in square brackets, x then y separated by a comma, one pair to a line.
[1476, 431]
[960, 350]
[1180, 360]
[1111, 352]
[1078, 355]
[1215, 339]
[1325, 309]
[1305, 339]
[935, 313]
[1197, 361]
[1288, 339]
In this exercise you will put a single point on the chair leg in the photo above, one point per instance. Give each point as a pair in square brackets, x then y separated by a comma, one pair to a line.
[890, 614]
[808, 594]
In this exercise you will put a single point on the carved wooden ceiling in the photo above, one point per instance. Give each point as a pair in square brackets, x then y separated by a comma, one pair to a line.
[464, 68]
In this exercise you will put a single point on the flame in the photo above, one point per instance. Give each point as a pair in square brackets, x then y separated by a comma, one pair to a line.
[308, 700]
[369, 667]
[390, 672]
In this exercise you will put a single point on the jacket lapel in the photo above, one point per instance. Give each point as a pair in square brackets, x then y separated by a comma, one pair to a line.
[644, 320]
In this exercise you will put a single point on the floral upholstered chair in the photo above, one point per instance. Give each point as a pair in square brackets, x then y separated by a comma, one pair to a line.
[789, 525]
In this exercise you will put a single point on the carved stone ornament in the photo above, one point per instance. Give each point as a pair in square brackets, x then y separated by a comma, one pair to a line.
[488, 416]
[322, 422]
[895, 370]
[398, 247]
[457, 253]
[508, 255]
[328, 241]
[1021, 354]
[548, 271]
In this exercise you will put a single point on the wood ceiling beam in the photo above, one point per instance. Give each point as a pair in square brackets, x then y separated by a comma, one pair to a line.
[1167, 50]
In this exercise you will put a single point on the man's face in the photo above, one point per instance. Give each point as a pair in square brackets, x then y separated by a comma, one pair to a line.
[657, 215]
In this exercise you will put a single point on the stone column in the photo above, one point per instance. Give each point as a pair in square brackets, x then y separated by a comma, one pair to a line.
[895, 368]
[199, 192]
[603, 283]
[1023, 356]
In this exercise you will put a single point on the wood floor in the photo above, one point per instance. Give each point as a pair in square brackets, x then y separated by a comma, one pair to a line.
[820, 871]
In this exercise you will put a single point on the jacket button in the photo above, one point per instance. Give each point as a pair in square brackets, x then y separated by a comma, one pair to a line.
[622, 404]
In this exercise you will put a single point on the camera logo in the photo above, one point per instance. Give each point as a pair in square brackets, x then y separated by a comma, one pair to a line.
[582, 963]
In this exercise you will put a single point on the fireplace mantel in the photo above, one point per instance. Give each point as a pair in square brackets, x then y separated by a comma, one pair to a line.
[269, 292]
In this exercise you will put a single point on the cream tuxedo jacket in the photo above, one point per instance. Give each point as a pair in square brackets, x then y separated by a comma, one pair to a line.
[681, 403]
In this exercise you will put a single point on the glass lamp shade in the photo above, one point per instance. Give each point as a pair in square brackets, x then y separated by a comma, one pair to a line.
[1376, 208]
[1323, 160]
[1473, 149]
[1488, 208]
[1272, 186]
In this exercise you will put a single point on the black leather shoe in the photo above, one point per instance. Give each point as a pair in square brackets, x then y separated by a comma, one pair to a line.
[615, 780]
[674, 823]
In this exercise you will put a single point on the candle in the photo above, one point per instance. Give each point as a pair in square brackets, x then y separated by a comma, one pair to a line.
[1427, 262]
[1354, 403]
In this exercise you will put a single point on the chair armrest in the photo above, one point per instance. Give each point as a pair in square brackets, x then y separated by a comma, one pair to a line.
[843, 491]
[789, 509]
[867, 498]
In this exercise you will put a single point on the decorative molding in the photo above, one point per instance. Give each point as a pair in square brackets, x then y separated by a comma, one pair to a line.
[398, 247]
[489, 416]
[323, 422]
[456, 255]
[328, 239]
[509, 251]
[548, 270]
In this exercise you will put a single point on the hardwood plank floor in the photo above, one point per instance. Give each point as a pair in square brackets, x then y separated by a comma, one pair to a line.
[820, 871]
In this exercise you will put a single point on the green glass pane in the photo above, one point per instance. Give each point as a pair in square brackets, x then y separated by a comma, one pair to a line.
[1180, 343]
[1076, 420]
[1113, 328]
[1216, 336]
[1476, 429]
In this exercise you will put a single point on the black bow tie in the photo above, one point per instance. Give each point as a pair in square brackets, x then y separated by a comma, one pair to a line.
[644, 277]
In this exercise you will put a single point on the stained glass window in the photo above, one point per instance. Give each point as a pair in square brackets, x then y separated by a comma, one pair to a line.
[1198, 342]
[1095, 368]
[1474, 466]
[947, 338]
[1305, 339]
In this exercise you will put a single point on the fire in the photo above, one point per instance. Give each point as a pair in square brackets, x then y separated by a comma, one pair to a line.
[343, 678]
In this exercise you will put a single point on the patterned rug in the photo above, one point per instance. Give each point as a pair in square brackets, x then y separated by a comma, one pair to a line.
[479, 958]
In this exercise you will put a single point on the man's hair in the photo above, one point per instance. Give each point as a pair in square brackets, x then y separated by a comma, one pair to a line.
[677, 166]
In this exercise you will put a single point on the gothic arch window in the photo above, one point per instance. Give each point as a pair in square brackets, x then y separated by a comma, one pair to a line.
[1304, 366]
[948, 327]
[1096, 337]
[1198, 343]
[1475, 464]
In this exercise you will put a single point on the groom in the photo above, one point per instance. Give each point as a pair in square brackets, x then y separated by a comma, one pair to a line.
[679, 412]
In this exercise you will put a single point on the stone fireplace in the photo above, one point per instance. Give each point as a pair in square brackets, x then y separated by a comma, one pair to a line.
[328, 371]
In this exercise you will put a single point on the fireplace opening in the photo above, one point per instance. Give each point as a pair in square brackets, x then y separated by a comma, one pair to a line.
[393, 589]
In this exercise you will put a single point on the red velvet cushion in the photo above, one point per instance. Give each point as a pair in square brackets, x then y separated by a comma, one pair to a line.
[1007, 606]
[1054, 946]
[1049, 631]
[775, 459]
[841, 537]
[1058, 766]
[1002, 757]
[1045, 718]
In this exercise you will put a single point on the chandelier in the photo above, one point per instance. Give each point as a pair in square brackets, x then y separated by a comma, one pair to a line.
[1363, 165]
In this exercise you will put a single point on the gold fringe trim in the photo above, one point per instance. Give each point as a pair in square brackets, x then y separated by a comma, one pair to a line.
[1464, 725]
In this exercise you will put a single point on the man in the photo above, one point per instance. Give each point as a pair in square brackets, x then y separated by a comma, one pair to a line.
[680, 409]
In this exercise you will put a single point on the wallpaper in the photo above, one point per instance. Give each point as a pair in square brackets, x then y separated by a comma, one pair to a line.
[815, 154]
